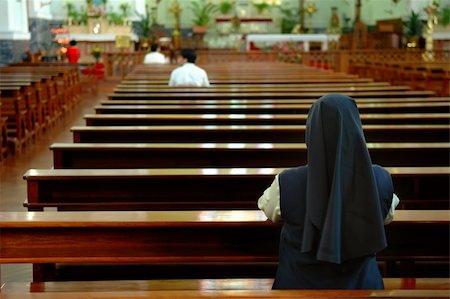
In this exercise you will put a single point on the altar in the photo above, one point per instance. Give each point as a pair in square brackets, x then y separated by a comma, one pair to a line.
[106, 42]
[269, 40]
[97, 26]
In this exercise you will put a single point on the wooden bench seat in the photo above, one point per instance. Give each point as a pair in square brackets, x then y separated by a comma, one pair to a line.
[148, 84]
[196, 284]
[252, 119]
[26, 91]
[265, 101]
[269, 95]
[190, 155]
[267, 294]
[227, 81]
[208, 188]
[46, 93]
[213, 238]
[259, 89]
[248, 134]
[433, 107]
[40, 85]
[17, 118]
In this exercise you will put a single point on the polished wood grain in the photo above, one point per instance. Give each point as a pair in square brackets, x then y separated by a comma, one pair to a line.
[253, 119]
[179, 155]
[432, 107]
[148, 84]
[202, 237]
[249, 134]
[209, 188]
[268, 94]
[230, 80]
[128, 101]
[429, 294]
[259, 89]
[198, 284]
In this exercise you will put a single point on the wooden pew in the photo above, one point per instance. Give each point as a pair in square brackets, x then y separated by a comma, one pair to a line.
[208, 188]
[267, 294]
[196, 284]
[270, 95]
[3, 136]
[258, 89]
[46, 93]
[147, 84]
[26, 93]
[190, 155]
[433, 107]
[17, 118]
[252, 119]
[249, 134]
[353, 294]
[67, 83]
[177, 239]
[265, 101]
[147, 80]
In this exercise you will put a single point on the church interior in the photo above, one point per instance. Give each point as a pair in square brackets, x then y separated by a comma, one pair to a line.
[116, 184]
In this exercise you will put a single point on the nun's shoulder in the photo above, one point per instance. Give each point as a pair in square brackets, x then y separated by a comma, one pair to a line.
[380, 170]
[382, 176]
[296, 171]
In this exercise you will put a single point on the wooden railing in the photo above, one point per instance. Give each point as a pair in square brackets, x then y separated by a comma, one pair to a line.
[341, 60]
[119, 64]
[224, 55]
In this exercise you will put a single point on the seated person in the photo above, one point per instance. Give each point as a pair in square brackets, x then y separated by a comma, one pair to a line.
[188, 74]
[73, 52]
[333, 208]
[155, 55]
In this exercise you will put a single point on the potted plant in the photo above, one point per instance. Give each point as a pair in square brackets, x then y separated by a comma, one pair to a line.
[144, 30]
[144, 23]
[225, 7]
[260, 6]
[96, 53]
[202, 10]
[413, 27]
[444, 16]
[114, 18]
[289, 20]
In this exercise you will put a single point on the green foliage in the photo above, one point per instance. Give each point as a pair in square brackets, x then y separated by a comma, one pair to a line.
[78, 17]
[203, 11]
[225, 7]
[444, 16]
[144, 24]
[261, 6]
[96, 53]
[114, 18]
[289, 20]
[125, 8]
[413, 25]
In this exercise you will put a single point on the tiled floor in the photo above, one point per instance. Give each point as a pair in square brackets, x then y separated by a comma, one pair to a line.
[13, 189]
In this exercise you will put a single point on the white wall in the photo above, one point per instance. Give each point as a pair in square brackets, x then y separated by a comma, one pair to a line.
[39, 9]
[14, 21]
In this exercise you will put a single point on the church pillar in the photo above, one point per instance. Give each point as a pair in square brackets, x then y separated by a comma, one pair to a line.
[39, 18]
[14, 33]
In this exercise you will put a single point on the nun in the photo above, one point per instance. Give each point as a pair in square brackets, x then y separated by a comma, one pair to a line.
[333, 210]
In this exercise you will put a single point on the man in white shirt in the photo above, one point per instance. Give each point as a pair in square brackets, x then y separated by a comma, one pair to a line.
[188, 74]
[155, 56]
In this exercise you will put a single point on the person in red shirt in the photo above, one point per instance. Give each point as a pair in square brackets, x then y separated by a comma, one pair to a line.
[73, 52]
